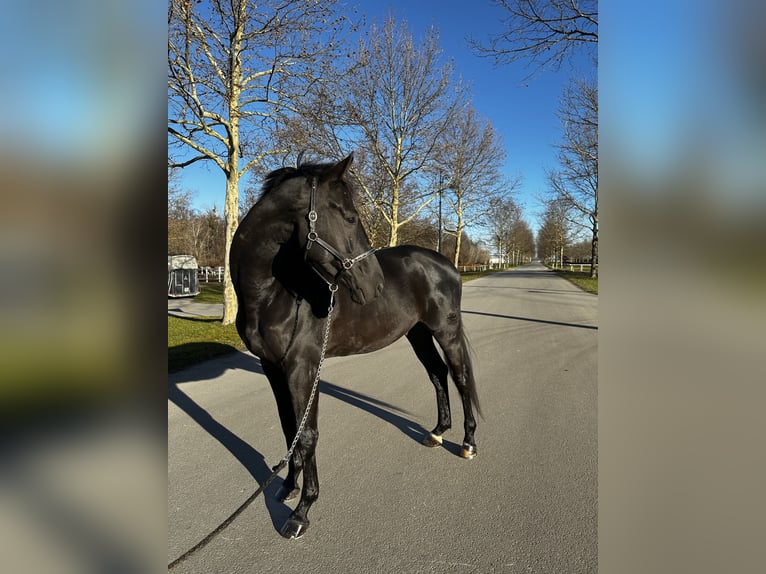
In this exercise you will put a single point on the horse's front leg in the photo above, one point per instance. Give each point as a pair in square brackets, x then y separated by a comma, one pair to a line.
[278, 381]
[303, 459]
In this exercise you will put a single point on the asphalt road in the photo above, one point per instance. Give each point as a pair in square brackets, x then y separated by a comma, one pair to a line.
[526, 503]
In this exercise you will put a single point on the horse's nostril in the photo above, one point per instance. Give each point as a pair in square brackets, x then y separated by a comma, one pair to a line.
[379, 288]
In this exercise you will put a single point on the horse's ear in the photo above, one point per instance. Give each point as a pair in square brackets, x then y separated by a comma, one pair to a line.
[339, 169]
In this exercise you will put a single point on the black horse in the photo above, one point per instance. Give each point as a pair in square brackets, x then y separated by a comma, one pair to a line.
[303, 241]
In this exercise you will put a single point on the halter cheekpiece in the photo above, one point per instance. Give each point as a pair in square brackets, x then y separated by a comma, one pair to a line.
[313, 237]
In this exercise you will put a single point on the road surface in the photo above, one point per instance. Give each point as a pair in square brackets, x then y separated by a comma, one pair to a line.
[527, 503]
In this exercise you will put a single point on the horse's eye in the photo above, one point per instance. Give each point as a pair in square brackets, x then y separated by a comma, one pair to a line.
[351, 219]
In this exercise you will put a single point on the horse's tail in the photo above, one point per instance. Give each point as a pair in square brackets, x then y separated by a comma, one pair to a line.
[470, 380]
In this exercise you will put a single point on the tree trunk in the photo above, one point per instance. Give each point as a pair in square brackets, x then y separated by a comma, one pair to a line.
[394, 237]
[231, 205]
[594, 252]
[459, 232]
[231, 214]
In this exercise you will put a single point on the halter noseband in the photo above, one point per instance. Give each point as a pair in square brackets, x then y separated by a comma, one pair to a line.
[312, 237]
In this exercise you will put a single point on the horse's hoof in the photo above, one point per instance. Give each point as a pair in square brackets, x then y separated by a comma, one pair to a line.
[293, 529]
[432, 440]
[469, 451]
[284, 495]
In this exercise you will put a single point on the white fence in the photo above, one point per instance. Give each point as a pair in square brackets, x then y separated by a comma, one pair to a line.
[208, 274]
[580, 267]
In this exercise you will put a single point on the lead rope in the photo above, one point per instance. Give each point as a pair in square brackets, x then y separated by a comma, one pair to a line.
[204, 542]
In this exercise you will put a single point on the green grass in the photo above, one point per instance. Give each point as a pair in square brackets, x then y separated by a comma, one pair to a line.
[580, 278]
[192, 341]
[210, 293]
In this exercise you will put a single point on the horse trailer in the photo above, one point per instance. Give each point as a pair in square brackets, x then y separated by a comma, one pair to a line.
[182, 276]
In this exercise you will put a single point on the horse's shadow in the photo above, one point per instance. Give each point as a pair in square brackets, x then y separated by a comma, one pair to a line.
[386, 412]
[250, 458]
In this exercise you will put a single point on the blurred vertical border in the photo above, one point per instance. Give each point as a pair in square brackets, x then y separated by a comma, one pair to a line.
[82, 337]
[82, 349]
[682, 382]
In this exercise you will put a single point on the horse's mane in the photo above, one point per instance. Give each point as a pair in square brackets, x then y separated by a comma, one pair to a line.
[277, 177]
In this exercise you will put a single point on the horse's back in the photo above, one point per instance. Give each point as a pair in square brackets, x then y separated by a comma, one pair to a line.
[424, 270]
[420, 286]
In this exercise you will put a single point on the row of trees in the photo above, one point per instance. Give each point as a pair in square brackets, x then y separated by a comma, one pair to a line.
[571, 208]
[251, 85]
[202, 234]
[548, 35]
[513, 239]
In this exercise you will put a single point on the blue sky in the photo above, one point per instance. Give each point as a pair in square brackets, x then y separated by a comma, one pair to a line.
[521, 110]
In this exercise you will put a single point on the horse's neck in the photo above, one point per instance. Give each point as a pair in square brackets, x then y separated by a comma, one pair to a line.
[282, 271]
[269, 230]
[270, 237]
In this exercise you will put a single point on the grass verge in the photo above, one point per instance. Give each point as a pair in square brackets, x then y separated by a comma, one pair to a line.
[210, 293]
[471, 275]
[580, 278]
[198, 339]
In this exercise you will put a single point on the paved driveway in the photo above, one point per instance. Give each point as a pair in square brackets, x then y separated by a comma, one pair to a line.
[527, 503]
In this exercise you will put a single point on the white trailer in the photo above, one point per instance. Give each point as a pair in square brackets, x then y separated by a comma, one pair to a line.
[182, 276]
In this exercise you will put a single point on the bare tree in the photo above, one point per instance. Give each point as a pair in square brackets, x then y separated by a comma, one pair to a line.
[469, 159]
[544, 32]
[235, 68]
[555, 233]
[190, 231]
[502, 218]
[575, 183]
[179, 199]
[398, 104]
[520, 243]
[180, 213]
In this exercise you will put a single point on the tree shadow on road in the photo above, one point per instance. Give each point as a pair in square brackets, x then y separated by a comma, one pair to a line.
[593, 327]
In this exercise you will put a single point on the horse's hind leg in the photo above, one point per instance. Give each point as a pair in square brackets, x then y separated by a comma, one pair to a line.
[455, 347]
[423, 344]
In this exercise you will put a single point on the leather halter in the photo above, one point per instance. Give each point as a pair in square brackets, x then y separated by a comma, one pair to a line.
[312, 237]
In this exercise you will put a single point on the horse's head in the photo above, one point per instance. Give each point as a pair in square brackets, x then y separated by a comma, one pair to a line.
[336, 245]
